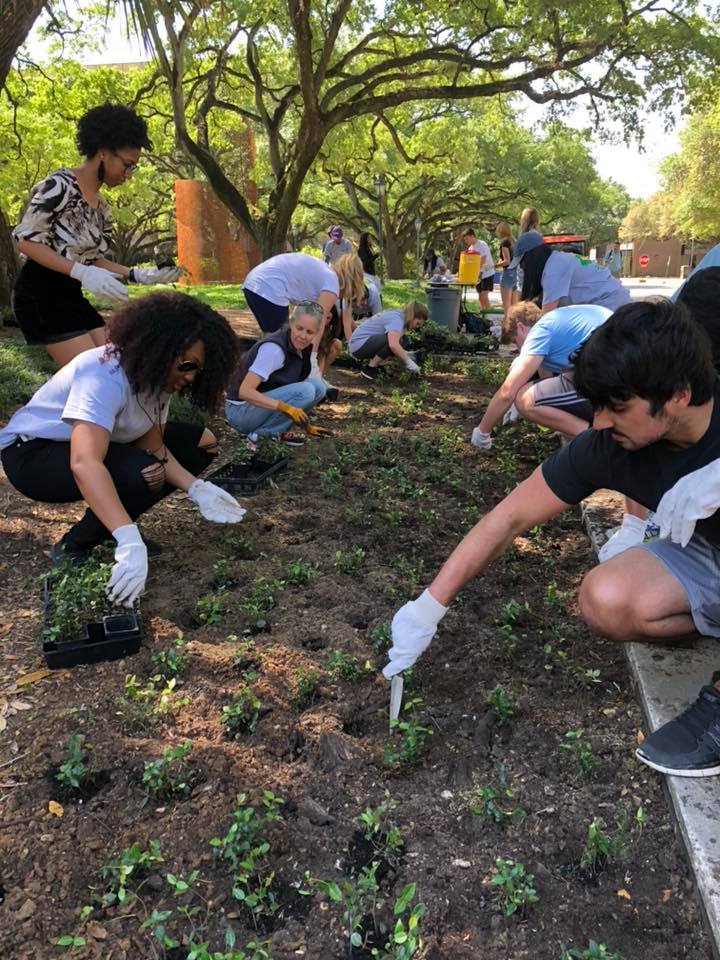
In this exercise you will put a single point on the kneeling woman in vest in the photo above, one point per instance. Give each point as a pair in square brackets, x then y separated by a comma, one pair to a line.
[271, 388]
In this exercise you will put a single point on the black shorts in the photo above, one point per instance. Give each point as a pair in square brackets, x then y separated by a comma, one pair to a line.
[487, 283]
[50, 307]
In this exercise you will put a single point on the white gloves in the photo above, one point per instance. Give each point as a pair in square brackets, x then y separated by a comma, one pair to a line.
[630, 533]
[100, 281]
[511, 415]
[694, 497]
[154, 274]
[413, 627]
[483, 441]
[214, 503]
[130, 570]
[411, 366]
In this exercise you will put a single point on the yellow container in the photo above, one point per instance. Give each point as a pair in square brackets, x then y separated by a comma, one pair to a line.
[469, 270]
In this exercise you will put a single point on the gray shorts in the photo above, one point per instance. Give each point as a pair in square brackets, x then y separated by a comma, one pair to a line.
[560, 392]
[696, 567]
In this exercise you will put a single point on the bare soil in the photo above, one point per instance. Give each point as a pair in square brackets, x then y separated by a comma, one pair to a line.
[398, 485]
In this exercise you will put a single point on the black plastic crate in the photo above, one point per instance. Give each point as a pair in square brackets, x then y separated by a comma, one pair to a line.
[246, 478]
[116, 636]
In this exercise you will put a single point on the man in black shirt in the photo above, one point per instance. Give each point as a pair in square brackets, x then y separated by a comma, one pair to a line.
[649, 375]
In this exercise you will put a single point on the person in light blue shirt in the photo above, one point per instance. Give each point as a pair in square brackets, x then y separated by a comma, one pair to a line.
[613, 260]
[547, 344]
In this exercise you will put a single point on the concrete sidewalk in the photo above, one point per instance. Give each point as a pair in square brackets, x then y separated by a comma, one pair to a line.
[668, 679]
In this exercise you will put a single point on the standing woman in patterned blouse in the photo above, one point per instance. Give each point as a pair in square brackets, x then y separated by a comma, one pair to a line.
[65, 234]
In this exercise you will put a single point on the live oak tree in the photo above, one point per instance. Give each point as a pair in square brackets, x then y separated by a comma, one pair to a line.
[296, 71]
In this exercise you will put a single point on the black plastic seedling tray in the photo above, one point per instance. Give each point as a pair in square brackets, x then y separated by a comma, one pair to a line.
[246, 478]
[116, 636]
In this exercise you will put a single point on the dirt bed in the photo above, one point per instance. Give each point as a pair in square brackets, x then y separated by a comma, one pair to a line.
[294, 605]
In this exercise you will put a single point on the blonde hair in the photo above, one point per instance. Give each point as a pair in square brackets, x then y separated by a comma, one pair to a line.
[527, 312]
[350, 274]
[529, 220]
[502, 231]
[413, 309]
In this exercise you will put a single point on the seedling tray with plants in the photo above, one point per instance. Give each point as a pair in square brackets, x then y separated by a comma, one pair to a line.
[250, 471]
[80, 624]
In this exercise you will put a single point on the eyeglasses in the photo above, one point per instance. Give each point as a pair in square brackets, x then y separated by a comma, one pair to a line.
[127, 164]
[310, 307]
[188, 366]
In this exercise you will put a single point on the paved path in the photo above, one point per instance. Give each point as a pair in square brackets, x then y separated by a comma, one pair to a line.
[668, 678]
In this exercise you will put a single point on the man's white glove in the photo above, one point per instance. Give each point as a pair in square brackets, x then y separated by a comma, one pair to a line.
[214, 503]
[630, 533]
[413, 627]
[411, 366]
[694, 497]
[99, 281]
[154, 274]
[483, 441]
[511, 415]
[130, 570]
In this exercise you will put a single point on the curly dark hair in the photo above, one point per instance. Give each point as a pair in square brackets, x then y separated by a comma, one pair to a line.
[113, 126]
[149, 333]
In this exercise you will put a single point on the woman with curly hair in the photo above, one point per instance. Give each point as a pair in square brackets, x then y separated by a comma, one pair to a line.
[65, 234]
[97, 431]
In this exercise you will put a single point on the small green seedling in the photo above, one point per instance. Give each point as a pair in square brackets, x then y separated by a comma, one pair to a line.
[128, 868]
[253, 950]
[156, 925]
[300, 572]
[600, 848]
[404, 940]
[169, 776]
[503, 703]
[380, 637]
[494, 801]
[378, 830]
[172, 661]
[515, 886]
[144, 705]
[580, 750]
[409, 737]
[77, 597]
[247, 827]
[593, 951]
[343, 666]
[241, 715]
[210, 608]
[359, 899]
[349, 562]
[307, 687]
[74, 770]
[268, 450]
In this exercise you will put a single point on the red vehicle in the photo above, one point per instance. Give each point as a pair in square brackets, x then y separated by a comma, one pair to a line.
[572, 242]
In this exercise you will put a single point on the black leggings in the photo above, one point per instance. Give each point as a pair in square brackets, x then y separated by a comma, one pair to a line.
[40, 469]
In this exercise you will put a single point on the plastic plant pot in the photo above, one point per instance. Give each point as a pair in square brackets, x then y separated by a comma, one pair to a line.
[246, 478]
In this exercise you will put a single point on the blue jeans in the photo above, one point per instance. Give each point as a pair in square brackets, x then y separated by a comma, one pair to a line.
[247, 418]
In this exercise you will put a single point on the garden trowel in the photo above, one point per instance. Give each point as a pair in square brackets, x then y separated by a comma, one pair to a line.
[396, 692]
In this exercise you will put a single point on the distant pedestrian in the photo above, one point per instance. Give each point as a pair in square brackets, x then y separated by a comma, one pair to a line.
[432, 264]
[336, 245]
[613, 260]
[368, 253]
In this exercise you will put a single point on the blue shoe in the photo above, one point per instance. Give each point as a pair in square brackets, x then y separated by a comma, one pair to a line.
[689, 745]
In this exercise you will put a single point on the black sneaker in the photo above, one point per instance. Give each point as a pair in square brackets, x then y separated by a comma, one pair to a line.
[370, 373]
[689, 745]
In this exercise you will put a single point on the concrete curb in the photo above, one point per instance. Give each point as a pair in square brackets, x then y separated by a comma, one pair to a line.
[668, 678]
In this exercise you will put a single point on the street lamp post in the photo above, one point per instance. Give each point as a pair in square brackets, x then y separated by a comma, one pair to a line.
[418, 225]
[380, 182]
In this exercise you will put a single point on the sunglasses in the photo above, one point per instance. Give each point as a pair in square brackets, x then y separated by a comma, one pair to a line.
[187, 366]
[127, 164]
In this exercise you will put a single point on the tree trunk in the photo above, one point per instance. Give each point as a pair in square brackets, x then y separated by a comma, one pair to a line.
[16, 19]
[394, 256]
[8, 265]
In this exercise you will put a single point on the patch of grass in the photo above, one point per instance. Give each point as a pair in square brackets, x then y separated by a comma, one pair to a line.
[23, 370]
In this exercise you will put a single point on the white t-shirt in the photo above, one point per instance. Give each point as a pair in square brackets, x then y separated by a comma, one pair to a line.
[93, 390]
[566, 277]
[487, 268]
[381, 323]
[291, 277]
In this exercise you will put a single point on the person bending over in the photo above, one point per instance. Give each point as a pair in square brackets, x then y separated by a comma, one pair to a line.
[379, 338]
[272, 285]
[272, 387]
[555, 278]
[97, 430]
[547, 344]
[65, 234]
[649, 375]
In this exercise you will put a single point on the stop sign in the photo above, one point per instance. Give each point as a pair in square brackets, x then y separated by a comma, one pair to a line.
[643, 259]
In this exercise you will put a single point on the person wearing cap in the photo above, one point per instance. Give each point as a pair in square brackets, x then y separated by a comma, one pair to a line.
[547, 344]
[336, 246]
[555, 278]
